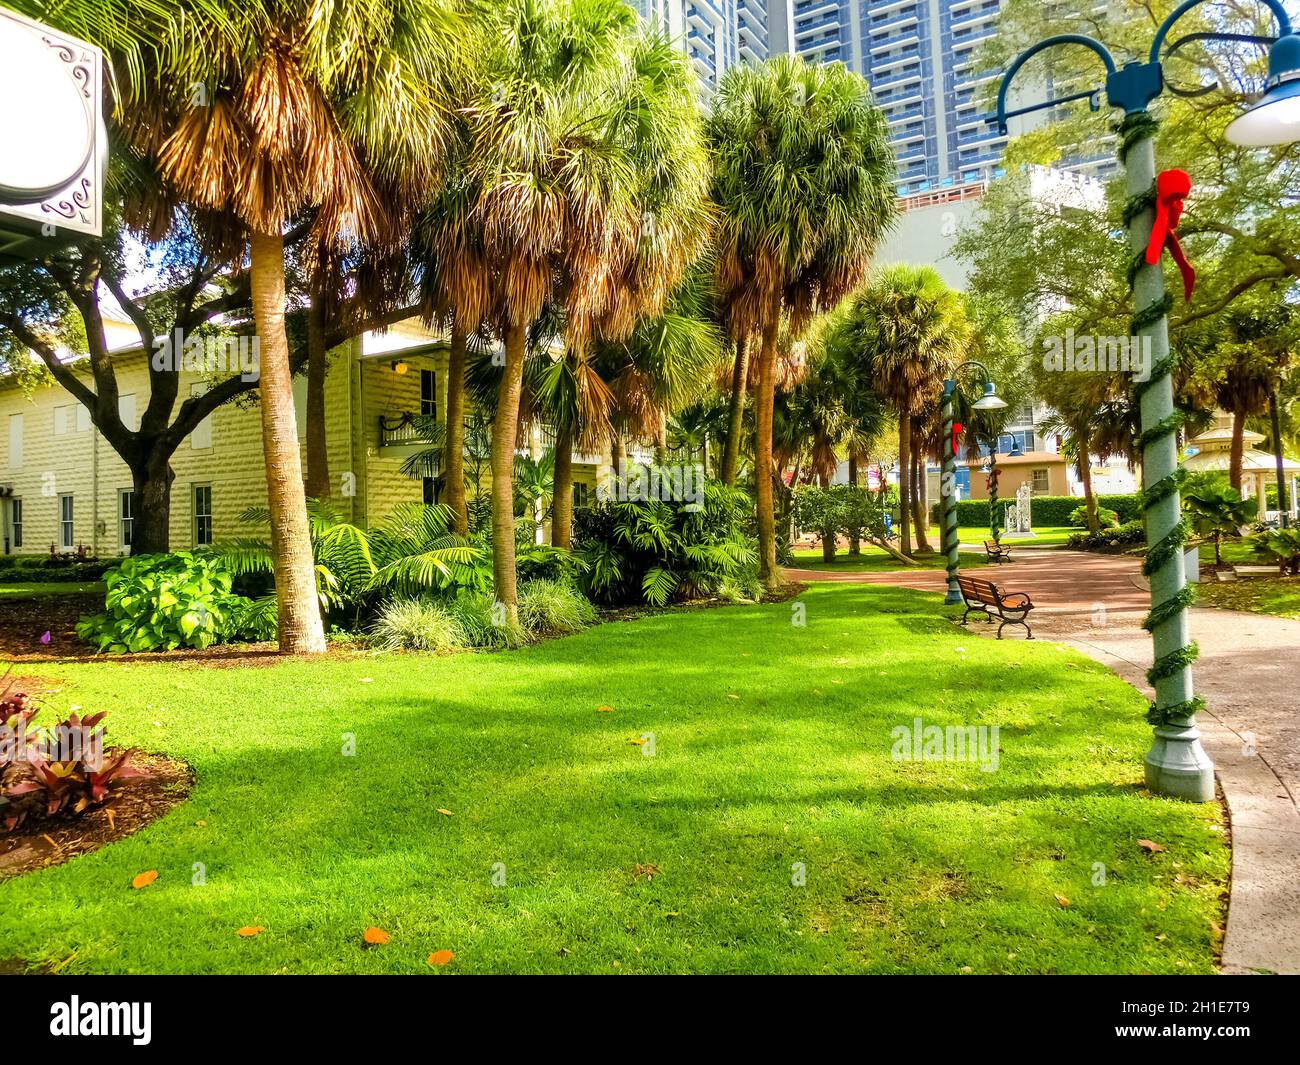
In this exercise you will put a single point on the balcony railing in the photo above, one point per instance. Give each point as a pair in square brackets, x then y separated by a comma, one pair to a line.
[402, 429]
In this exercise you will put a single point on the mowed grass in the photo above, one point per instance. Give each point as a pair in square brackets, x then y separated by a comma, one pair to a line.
[40, 589]
[762, 826]
[1259, 595]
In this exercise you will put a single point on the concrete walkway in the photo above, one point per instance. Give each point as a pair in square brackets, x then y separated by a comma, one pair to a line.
[1247, 673]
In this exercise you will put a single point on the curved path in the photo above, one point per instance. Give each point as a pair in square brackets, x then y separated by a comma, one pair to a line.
[1251, 728]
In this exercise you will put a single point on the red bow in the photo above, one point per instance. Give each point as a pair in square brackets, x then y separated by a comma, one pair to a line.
[956, 432]
[1172, 187]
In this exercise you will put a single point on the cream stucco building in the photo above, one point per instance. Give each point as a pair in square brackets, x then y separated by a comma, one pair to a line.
[63, 488]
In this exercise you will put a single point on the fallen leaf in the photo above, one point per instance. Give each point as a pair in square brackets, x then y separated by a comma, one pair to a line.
[111, 823]
[604, 709]
[1148, 845]
[250, 930]
[144, 879]
[440, 957]
[376, 937]
[1062, 901]
[647, 871]
[638, 743]
[49, 839]
[201, 824]
[445, 813]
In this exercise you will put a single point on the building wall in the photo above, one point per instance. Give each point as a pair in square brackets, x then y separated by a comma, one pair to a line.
[63, 454]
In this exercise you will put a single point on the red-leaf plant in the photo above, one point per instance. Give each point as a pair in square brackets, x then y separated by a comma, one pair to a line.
[68, 772]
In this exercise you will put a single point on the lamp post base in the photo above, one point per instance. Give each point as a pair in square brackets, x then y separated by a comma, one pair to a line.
[954, 593]
[1178, 767]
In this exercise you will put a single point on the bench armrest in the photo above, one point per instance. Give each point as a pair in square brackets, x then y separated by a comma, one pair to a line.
[1017, 601]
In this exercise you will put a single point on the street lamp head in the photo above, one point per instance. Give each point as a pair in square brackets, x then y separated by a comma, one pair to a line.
[1275, 118]
[990, 400]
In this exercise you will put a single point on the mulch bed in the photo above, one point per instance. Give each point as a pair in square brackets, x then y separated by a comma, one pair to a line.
[40, 843]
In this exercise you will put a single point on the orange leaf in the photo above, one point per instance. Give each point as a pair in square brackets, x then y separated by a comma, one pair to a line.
[1148, 845]
[145, 879]
[442, 811]
[604, 709]
[251, 930]
[1062, 901]
[440, 957]
[376, 937]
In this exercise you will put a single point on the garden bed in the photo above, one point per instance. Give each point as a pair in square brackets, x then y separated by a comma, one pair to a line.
[41, 843]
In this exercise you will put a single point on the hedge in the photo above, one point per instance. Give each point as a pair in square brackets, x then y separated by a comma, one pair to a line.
[1045, 510]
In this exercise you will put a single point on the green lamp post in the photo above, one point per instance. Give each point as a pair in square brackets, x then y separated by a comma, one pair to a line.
[1176, 765]
[948, 482]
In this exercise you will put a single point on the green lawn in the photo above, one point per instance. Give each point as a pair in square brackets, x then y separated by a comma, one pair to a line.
[873, 559]
[1261, 595]
[771, 751]
[39, 589]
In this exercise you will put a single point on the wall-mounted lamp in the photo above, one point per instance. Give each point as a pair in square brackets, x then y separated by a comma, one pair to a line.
[399, 366]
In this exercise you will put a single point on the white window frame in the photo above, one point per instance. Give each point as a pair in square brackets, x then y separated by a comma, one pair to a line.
[16, 430]
[68, 525]
[196, 517]
[125, 518]
[16, 521]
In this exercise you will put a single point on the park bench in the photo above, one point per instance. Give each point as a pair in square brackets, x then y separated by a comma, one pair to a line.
[996, 552]
[987, 598]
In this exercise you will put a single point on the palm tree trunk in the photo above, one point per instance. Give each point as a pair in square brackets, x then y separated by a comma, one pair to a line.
[855, 542]
[301, 629]
[904, 483]
[1238, 449]
[661, 440]
[918, 514]
[736, 420]
[1283, 503]
[562, 490]
[453, 463]
[505, 432]
[1085, 475]
[763, 404]
[318, 460]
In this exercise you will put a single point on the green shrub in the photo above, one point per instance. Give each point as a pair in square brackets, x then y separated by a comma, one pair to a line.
[1106, 517]
[162, 602]
[482, 621]
[1121, 536]
[1281, 546]
[651, 551]
[553, 608]
[1045, 510]
[417, 625]
[50, 569]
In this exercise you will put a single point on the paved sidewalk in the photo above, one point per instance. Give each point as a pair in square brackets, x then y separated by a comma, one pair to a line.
[1251, 728]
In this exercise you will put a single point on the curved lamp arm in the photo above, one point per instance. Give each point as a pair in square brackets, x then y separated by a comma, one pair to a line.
[1024, 57]
[1283, 23]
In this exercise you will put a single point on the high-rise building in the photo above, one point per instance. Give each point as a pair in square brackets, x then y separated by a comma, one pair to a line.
[716, 34]
[921, 58]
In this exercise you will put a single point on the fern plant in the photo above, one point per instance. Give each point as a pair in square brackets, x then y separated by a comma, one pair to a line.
[654, 551]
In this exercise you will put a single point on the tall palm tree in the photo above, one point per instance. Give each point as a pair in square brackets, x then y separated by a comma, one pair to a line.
[590, 172]
[256, 112]
[455, 287]
[804, 183]
[910, 328]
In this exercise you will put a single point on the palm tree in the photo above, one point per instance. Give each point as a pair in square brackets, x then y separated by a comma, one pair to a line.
[257, 113]
[589, 173]
[804, 182]
[455, 288]
[909, 328]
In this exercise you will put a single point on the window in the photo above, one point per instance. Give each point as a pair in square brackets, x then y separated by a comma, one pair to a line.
[202, 515]
[201, 438]
[429, 486]
[71, 418]
[15, 441]
[126, 516]
[16, 520]
[66, 538]
[581, 495]
[429, 393]
[126, 411]
[1040, 481]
